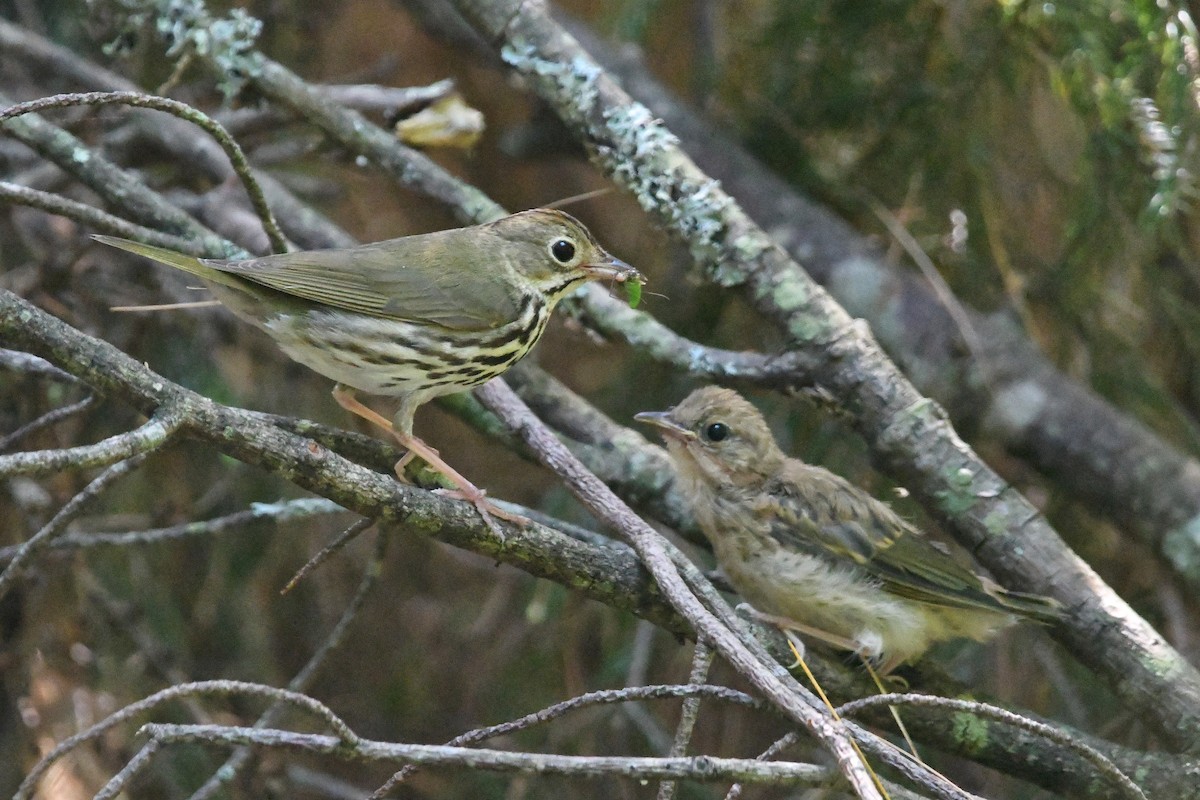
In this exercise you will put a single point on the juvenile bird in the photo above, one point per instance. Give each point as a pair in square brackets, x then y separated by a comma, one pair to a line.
[813, 553]
[416, 317]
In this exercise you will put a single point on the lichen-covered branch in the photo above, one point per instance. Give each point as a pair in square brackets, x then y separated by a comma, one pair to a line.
[908, 433]
[176, 136]
[1103, 456]
[611, 574]
[102, 176]
[780, 688]
[182, 111]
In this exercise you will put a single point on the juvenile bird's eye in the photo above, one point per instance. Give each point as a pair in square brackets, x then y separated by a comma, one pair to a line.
[716, 431]
[562, 250]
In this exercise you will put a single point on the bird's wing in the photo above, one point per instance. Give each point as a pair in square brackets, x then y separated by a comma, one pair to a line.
[390, 281]
[838, 521]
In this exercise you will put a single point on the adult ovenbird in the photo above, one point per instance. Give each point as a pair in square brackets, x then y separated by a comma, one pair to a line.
[416, 317]
[815, 554]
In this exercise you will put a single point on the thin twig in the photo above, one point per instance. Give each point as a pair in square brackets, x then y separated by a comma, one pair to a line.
[771, 679]
[699, 768]
[29, 364]
[272, 513]
[777, 746]
[149, 436]
[941, 289]
[110, 182]
[93, 217]
[117, 784]
[303, 679]
[1060, 737]
[701, 662]
[629, 694]
[345, 736]
[342, 539]
[68, 512]
[52, 417]
[182, 110]
[640, 657]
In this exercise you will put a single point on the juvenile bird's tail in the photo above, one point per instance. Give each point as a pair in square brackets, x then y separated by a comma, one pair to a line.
[1033, 606]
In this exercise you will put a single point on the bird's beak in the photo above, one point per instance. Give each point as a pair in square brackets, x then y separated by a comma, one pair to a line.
[667, 426]
[613, 269]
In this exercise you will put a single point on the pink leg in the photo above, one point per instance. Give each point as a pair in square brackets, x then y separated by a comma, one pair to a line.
[465, 491]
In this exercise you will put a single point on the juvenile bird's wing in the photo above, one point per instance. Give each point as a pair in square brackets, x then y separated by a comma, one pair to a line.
[408, 279]
[831, 518]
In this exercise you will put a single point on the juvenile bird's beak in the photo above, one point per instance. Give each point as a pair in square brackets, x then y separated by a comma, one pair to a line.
[667, 426]
[615, 269]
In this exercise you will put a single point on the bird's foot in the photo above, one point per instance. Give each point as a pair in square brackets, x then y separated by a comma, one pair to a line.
[486, 508]
[463, 488]
[798, 649]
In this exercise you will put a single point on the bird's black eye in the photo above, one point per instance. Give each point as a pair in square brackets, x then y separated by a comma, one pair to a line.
[716, 431]
[563, 251]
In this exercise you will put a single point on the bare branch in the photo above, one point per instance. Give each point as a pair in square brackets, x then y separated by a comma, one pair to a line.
[183, 111]
[701, 662]
[303, 679]
[698, 768]
[907, 432]
[150, 436]
[1126, 786]
[589, 699]
[199, 688]
[52, 417]
[165, 428]
[773, 682]
[105, 178]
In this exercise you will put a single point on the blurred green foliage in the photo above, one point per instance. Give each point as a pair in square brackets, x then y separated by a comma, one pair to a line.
[1063, 133]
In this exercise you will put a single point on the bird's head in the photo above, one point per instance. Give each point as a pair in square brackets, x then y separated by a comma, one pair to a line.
[556, 253]
[717, 437]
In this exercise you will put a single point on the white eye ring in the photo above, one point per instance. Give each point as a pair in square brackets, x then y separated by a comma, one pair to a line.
[563, 250]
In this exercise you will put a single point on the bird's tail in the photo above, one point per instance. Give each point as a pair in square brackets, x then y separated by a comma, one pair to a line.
[1033, 606]
[189, 264]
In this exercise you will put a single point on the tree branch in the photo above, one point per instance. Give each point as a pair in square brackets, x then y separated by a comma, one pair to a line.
[611, 575]
[1104, 457]
[908, 433]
